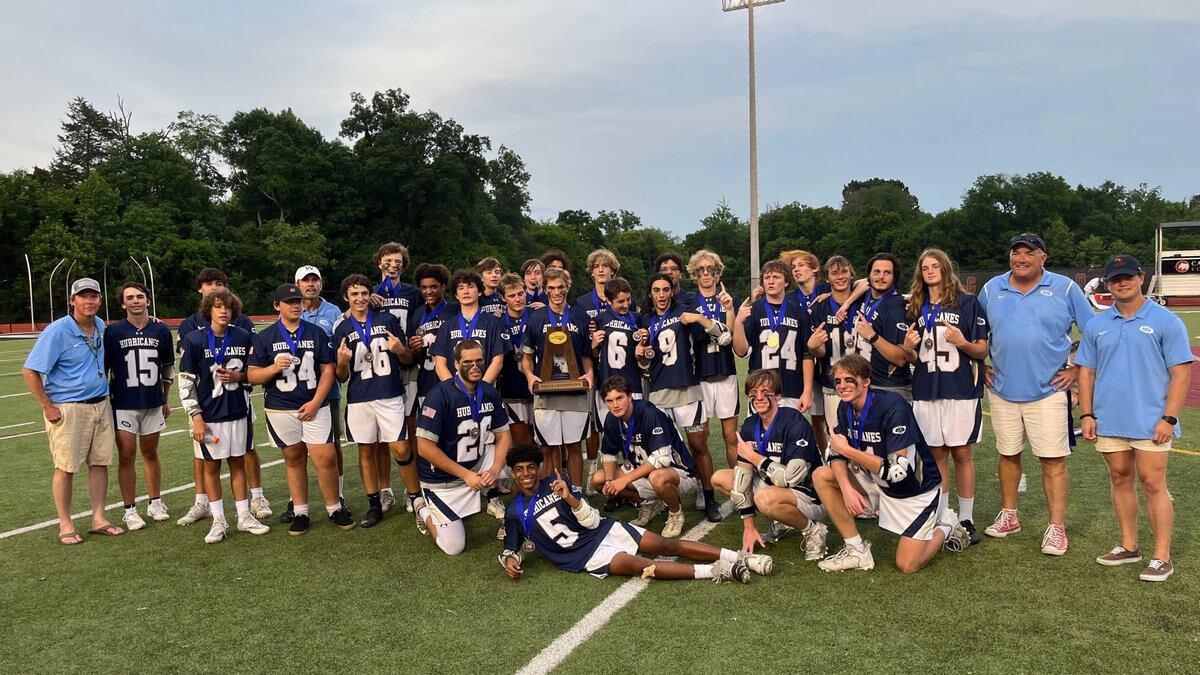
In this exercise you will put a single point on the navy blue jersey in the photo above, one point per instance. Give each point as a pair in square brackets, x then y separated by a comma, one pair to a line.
[808, 300]
[713, 360]
[219, 401]
[296, 386]
[537, 296]
[592, 303]
[488, 331]
[651, 435]
[513, 385]
[943, 371]
[492, 302]
[197, 321]
[888, 428]
[685, 298]
[399, 299]
[673, 343]
[425, 322]
[841, 336]
[888, 316]
[617, 353]
[447, 419]
[547, 521]
[135, 359]
[787, 355]
[539, 325]
[379, 377]
[789, 436]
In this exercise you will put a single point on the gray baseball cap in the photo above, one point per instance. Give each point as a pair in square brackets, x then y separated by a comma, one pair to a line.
[84, 284]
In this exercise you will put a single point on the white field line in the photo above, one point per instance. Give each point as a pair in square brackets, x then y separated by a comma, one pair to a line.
[10, 426]
[35, 433]
[116, 505]
[10, 374]
[557, 652]
[22, 393]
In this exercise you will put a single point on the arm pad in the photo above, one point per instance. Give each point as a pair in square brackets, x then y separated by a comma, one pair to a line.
[605, 457]
[188, 395]
[894, 470]
[168, 373]
[741, 493]
[586, 515]
[660, 458]
[785, 475]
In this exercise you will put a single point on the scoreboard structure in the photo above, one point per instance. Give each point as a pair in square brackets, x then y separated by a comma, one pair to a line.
[1176, 273]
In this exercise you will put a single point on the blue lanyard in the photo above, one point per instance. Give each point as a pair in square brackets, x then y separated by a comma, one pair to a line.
[629, 436]
[929, 316]
[431, 315]
[712, 311]
[848, 324]
[806, 300]
[287, 339]
[656, 325]
[556, 320]
[218, 354]
[762, 437]
[389, 288]
[472, 399]
[364, 334]
[468, 330]
[600, 305]
[855, 425]
[775, 318]
[627, 319]
[870, 310]
[512, 336]
[527, 513]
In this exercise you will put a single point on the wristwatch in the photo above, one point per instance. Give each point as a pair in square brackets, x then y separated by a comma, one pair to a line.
[873, 338]
[1170, 420]
[1087, 415]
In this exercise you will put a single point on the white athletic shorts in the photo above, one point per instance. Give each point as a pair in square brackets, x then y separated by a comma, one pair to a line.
[601, 410]
[690, 416]
[142, 422]
[380, 421]
[234, 439]
[721, 398]
[622, 538]
[519, 410]
[913, 517]
[410, 398]
[950, 422]
[804, 503]
[560, 427]
[1045, 423]
[789, 402]
[287, 429]
[448, 503]
[646, 491]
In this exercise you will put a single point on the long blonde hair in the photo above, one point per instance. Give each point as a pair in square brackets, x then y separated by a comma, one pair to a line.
[949, 289]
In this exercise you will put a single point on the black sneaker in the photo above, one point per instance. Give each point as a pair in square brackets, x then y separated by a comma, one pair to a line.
[613, 504]
[374, 516]
[288, 514]
[971, 532]
[342, 519]
[712, 511]
[299, 524]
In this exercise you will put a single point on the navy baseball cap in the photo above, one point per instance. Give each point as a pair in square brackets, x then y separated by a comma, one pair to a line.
[1028, 239]
[1121, 264]
[287, 292]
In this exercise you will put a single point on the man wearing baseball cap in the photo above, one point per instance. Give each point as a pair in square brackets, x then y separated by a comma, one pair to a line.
[1135, 368]
[65, 374]
[1031, 311]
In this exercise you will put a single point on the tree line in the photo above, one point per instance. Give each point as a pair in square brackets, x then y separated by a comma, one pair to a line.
[263, 192]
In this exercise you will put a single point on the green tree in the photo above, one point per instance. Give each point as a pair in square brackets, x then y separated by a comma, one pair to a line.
[87, 137]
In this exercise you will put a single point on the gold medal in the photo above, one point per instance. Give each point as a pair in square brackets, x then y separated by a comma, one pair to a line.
[773, 339]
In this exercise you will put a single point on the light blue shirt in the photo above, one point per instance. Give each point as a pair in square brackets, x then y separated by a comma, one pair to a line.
[326, 316]
[72, 363]
[1031, 333]
[1131, 357]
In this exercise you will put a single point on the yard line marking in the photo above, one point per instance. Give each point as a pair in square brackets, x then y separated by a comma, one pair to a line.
[557, 652]
[54, 521]
[10, 374]
[23, 393]
[10, 426]
[34, 433]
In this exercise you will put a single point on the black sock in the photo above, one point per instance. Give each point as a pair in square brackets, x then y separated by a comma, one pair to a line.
[709, 496]
[128, 506]
[491, 492]
[373, 501]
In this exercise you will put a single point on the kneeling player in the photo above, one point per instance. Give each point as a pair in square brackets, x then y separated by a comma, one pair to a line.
[551, 516]
[462, 440]
[211, 373]
[877, 431]
[774, 469]
[656, 466]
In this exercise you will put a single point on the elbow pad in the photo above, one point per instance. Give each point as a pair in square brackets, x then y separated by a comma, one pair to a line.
[741, 493]
[168, 373]
[586, 515]
[605, 457]
[660, 459]
[785, 475]
[187, 394]
[894, 470]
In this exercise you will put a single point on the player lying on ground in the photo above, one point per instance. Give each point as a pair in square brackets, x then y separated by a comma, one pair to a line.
[551, 516]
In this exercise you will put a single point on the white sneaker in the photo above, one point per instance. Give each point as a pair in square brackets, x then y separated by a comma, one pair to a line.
[646, 512]
[777, 532]
[501, 533]
[495, 508]
[959, 539]
[674, 526]
[814, 541]
[158, 511]
[759, 563]
[196, 512]
[414, 507]
[849, 559]
[248, 523]
[260, 507]
[132, 520]
[725, 571]
[387, 499]
[217, 532]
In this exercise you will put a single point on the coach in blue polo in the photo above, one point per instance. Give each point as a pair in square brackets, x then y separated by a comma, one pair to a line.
[1135, 368]
[1031, 311]
[325, 314]
[65, 374]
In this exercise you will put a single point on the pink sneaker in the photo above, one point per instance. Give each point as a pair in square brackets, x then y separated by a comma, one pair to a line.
[1006, 523]
[1054, 542]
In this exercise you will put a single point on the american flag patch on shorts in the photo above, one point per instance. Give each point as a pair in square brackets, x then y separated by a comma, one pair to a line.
[429, 412]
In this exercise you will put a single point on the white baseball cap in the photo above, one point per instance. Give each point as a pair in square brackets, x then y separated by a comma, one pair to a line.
[307, 270]
[84, 284]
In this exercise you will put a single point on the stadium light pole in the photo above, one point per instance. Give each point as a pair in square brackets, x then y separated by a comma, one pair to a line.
[29, 271]
[749, 5]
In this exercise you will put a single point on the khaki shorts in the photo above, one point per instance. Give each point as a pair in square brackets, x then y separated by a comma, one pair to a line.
[1043, 423]
[1118, 444]
[83, 437]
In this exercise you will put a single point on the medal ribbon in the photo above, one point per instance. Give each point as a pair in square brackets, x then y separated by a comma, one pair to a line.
[871, 309]
[775, 318]
[762, 437]
[855, 424]
[287, 338]
[556, 320]
[629, 439]
[473, 399]
[713, 311]
[656, 326]
[467, 330]
[218, 354]
[600, 305]
[806, 300]
[389, 288]
[929, 313]
[512, 337]
[627, 319]
[364, 335]
[527, 512]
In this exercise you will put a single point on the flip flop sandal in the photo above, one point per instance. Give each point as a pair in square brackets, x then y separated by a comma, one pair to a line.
[70, 538]
[108, 531]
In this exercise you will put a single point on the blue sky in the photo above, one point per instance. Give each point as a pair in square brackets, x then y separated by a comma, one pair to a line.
[642, 105]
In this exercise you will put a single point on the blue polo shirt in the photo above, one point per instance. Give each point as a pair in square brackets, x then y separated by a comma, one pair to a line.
[326, 316]
[1031, 333]
[1131, 357]
[73, 368]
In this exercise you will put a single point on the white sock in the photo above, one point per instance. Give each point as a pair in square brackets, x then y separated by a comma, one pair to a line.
[943, 501]
[330, 510]
[728, 555]
[218, 509]
[201, 499]
[132, 508]
[855, 542]
[341, 484]
[242, 506]
[423, 514]
[256, 493]
[945, 531]
[156, 500]
[300, 509]
[703, 571]
[966, 508]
